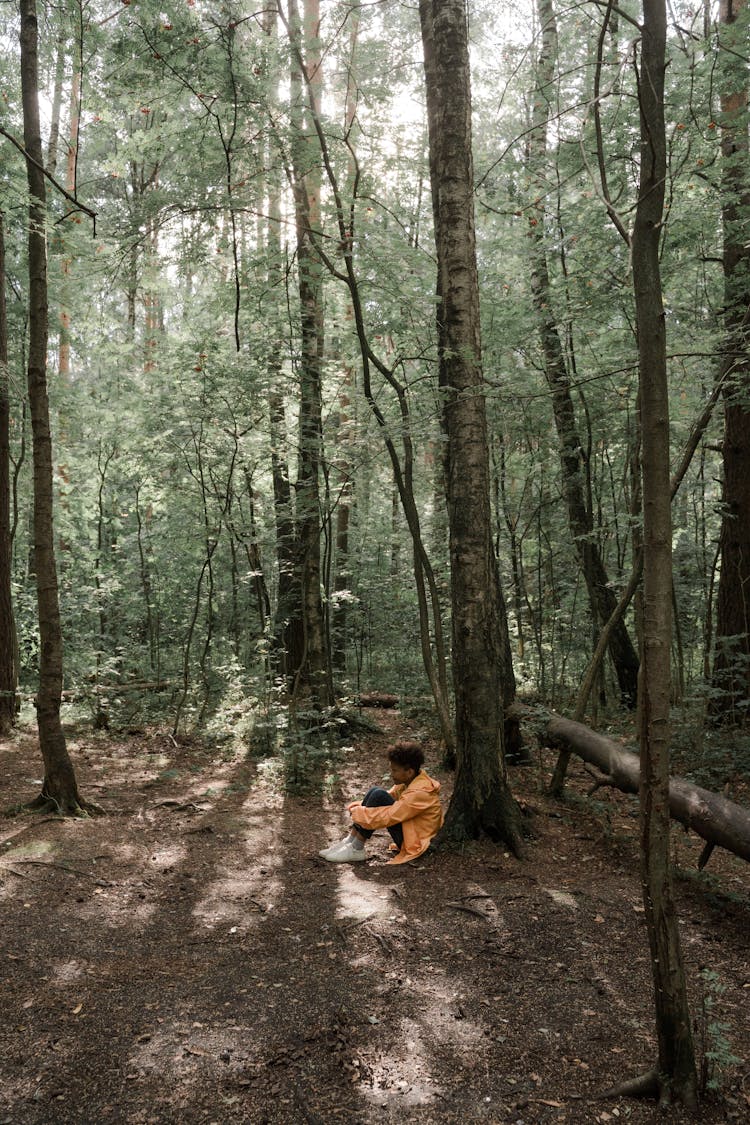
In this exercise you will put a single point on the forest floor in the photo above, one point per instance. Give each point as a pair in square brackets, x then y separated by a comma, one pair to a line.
[189, 958]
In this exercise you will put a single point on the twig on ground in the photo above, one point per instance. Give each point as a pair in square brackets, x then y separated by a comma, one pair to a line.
[469, 910]
[383, 943]
[345, 926]
[66, 868]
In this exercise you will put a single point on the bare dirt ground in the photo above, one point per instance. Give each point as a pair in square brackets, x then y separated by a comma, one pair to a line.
[189, 958]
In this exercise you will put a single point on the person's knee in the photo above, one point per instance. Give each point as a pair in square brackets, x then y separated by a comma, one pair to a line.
[377, 796]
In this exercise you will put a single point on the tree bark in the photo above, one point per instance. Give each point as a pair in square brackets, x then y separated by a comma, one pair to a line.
[311, 675]
[712, 816]
[677, 1070]
[428, 598]
[346, 422]
[731, 671]
[7, 630]
[59, 788]
[482, 801]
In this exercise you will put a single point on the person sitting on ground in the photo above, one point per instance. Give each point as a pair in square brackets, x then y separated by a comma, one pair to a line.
[410, 810]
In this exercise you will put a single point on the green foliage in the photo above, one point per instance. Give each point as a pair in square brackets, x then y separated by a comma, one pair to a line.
[714, 1048]
[165, 506]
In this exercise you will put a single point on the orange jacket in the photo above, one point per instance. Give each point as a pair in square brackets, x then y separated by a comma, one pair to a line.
[417, 809]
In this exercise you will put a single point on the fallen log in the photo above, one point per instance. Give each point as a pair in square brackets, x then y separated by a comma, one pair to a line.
[378, 699]
[713, 817]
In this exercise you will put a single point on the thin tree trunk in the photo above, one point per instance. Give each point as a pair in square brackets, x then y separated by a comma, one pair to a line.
[676, 1062]
[481, 801]
[311, 674]
[59, 788]
[731, 671]
[602, 597]
[344, 499]
[287, 643]
[7, 629]
[71, 163]
[54, 127]
[146, 584]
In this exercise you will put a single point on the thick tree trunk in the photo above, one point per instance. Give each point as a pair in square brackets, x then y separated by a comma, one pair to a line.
[677, 1071]
[713, 817]
[7, 631]
[602, 597]
[731, 672]
[59, 788]
[481, 801]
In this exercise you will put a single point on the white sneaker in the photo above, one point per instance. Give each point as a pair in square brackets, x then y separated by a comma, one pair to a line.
[347, 853]
[325, 852]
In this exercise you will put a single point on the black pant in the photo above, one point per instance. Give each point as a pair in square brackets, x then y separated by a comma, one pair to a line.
[376, 798]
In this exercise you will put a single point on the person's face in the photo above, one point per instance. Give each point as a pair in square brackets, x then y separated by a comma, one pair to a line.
[402, 775]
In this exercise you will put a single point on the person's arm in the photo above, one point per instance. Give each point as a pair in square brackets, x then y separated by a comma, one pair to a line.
[383, 816]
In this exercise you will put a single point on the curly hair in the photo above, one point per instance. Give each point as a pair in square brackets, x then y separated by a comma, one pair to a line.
[408, 754]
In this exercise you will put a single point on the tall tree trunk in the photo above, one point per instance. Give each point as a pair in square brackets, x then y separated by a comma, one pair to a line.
[602, 597]
[287, 647]
[345, 494]
[676, 1064]
[54, 127]
[428, 599]
[311, 675]
[71, 164]
[7, 629]
[481, 801]
[731, 672]
[59, 789]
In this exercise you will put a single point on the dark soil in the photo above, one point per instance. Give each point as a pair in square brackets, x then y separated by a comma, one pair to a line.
[189, 958]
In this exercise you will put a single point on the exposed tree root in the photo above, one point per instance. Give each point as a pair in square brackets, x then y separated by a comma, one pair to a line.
[76, 807]
[644, 1086]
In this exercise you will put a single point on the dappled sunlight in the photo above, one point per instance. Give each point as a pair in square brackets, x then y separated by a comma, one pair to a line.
[408, 1070]
[358, 899]
[403, 1073]
[234, 901]
[68, 971]
[181, 1054]
[250, 884]
[168, 857]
